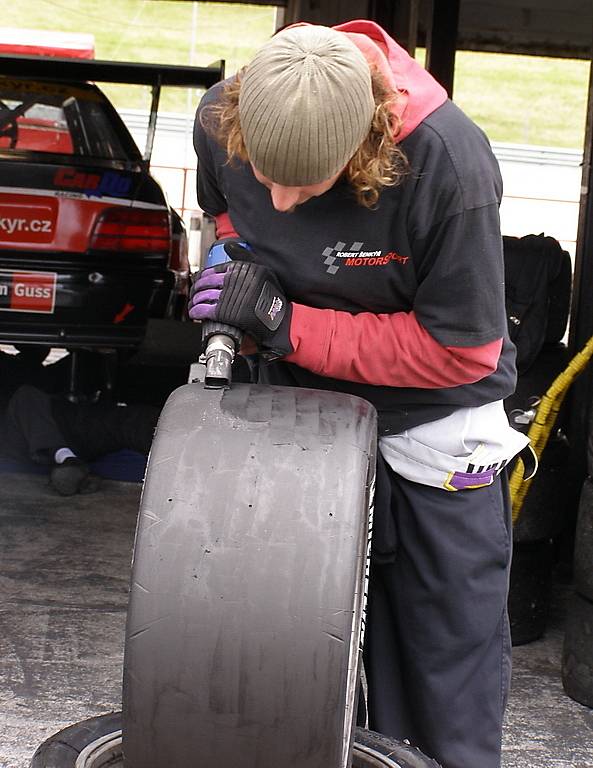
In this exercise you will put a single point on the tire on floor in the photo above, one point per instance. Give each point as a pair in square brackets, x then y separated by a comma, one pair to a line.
[583, 547]
[62, 749]
[248, 578]
[370, 747]
[577, 652]
[590, 448]
[101, 738]
[530, 589]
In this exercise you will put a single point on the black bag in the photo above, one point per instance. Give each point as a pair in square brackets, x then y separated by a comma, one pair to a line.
[538, 280]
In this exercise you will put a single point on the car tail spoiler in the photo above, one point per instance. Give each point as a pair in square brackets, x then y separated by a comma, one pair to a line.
[128, 72]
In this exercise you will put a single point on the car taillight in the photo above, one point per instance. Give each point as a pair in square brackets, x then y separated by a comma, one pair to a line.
[129, 229]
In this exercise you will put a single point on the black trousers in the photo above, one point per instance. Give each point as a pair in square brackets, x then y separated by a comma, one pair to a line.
[437, 648]
[29, 430]
[36, 424]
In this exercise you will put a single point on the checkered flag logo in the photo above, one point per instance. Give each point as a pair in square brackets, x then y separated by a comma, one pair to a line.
[331, 259]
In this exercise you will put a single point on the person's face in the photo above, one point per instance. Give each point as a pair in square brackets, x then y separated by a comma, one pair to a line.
[286, 199]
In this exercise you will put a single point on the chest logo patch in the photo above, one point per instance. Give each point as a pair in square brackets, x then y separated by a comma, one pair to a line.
[338, 256]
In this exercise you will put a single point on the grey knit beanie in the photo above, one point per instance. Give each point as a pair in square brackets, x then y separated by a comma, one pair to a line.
[305, 105]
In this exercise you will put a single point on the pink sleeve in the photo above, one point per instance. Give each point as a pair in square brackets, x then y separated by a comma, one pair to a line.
[224, 226]
[387, 349]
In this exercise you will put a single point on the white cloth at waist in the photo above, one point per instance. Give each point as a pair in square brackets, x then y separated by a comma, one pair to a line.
[464, 450]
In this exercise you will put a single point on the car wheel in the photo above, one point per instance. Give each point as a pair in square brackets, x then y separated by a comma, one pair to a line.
[97, 743]
[530, 589]
[577, 653]
[248, 579]
[583, 548]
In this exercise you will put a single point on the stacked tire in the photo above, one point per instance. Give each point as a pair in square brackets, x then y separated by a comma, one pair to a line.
[577, 655]
[543, 516]
[538, 280]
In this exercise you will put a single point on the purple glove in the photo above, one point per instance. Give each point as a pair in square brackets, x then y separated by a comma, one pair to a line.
[246, 296]
[205, 294]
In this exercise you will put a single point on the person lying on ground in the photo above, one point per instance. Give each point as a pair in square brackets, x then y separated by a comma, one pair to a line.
[65, 436]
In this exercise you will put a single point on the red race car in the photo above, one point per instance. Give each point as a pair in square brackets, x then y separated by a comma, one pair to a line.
[90, 250]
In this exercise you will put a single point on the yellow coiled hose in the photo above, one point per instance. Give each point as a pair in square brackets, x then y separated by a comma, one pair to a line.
[545, 417]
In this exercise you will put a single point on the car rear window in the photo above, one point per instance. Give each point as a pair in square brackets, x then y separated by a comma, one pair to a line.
[50, 118]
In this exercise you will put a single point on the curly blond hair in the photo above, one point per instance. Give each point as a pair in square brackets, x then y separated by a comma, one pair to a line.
[378, 162]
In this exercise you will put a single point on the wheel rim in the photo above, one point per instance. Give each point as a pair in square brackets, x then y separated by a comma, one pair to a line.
[106, 752]
[102, 753]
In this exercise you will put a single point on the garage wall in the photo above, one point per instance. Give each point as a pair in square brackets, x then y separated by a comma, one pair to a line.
[325, 11]
[541, 27]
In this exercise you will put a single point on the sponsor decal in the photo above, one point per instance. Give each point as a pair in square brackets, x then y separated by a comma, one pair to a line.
[108, 184]
[22, 221]
[338, 255]
[27, 291]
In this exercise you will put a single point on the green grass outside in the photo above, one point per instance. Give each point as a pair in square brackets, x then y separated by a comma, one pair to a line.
[524, 99]
[516, 99]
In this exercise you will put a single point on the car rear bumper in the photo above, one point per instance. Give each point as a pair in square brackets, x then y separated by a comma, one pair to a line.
[86, 304]
[71, 336]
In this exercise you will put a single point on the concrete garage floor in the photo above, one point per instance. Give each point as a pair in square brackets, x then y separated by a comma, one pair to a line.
[64, 569]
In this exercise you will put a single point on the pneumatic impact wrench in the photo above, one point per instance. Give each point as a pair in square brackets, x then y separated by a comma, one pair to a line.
[222, 340]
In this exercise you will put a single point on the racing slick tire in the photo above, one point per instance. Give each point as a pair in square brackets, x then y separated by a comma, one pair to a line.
[247, 593]
[543, 512]
[583, 547]
[530, 590]
[96, 743]
[577, 652]
[590, 449]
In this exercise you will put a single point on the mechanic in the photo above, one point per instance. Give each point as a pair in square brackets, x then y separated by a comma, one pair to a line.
[65, 436]
[370, 206]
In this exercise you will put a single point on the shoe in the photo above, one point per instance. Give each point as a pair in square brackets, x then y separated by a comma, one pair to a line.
[71, 477]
